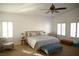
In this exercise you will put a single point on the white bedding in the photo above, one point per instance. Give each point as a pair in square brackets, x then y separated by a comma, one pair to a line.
[37, 41]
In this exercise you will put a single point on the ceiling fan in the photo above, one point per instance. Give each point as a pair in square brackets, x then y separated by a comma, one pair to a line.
[53, 9]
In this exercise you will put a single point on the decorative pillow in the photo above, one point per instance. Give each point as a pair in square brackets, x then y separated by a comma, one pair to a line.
[28, 34]
[33, 34]
[42, 33]
[38, 33]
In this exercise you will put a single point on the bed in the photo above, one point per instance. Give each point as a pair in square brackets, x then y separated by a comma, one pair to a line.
[37, 39]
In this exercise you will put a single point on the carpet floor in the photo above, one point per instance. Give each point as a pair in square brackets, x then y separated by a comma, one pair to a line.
[26, 50]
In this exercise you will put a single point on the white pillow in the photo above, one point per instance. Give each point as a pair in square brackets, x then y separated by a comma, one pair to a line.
[28, 34]
[33, 34]
[42, 33]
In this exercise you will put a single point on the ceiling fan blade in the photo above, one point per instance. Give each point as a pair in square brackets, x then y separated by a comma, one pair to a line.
[60, 8]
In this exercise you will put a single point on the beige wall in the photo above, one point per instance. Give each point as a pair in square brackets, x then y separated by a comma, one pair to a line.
[26, 22]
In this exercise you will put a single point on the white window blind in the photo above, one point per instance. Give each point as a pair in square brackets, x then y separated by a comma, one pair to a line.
[7, 28]
[73, 30]
[10, 29]
[0, 29]
[61, 28]
[4, 28]
[78, 30]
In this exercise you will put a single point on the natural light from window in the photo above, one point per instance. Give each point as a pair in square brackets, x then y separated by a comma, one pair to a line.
[73, 30]
[10, 29]
[78, 30]
[7, 29]
[4, 28]
[58, 29]
[0, 29]
[61, 28]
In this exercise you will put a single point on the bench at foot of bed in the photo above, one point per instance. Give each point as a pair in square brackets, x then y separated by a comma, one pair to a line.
[51, 48]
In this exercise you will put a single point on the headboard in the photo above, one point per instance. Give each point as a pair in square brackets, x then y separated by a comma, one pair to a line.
[34, 33]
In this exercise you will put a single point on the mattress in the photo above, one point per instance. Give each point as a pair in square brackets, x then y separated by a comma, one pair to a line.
[38, 41]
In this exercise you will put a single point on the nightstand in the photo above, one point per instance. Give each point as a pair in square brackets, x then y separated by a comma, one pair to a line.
[23, 42]
[23, 39]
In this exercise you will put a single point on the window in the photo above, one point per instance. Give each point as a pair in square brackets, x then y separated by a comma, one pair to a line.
[61, 28]
[58, 29]
[7, 29]
[78, 30]
[74, 30]
[0, 29]
[4, 28]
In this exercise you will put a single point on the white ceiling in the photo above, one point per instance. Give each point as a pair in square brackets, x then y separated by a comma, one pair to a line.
[34, 8]
[20, 7]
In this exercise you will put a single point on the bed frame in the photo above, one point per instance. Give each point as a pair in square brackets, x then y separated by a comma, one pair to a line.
[29, 33]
